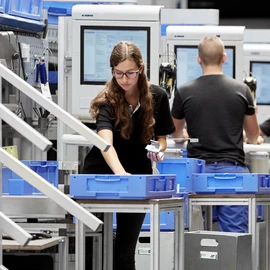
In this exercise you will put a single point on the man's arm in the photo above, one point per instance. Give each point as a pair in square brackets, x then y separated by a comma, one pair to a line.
[252, 129]
[179, 129]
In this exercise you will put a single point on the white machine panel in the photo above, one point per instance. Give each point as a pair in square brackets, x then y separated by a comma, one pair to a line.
[182, 16]
[230, 33]
[116, 12]
[190, 16]
[118, 22]
[257, 64]
[257, 36]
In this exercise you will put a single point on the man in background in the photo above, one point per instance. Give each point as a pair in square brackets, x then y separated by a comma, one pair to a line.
[216, 109]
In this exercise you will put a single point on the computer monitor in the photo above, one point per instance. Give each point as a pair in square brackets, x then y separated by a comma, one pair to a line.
[188, 67]
[97, 43]
[261, 71]
[95, 30]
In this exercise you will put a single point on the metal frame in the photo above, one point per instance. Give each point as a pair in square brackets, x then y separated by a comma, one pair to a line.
[251, 200]
[53, 108]
[154, 207]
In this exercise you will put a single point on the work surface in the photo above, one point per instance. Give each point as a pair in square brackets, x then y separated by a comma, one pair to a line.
[38, 244]
[219, 196]
[150, 201]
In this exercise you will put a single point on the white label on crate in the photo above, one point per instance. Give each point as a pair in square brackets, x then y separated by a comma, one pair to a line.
[207, 255]
[143, 251]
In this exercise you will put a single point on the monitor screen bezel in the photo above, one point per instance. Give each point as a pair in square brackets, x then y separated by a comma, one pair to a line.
[176, 46]
[105, 27]
[251, 62]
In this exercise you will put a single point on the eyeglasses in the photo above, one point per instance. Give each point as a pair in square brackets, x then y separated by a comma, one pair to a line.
[129, 74]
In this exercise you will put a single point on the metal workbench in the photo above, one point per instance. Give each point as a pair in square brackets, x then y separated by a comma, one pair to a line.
[154, 207]
[251, 200]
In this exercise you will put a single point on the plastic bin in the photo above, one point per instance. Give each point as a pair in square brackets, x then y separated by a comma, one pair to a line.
[6, 174]
[140, 187]
[29, 9]
[19, 187]
[2, 6]
[46, 169]
[183, 168]
[231, 183]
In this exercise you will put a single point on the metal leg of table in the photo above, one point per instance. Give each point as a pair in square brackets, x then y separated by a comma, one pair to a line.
[79, 246]
[266, 219]
[63, 253]
[155, 237]
[179, 240]
[190, 210]
[208, 223]
[97, 252]
[252, 218]
[108, 241]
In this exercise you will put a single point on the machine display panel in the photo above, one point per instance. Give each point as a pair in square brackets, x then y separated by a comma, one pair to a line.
[188, 67]
[97, 43]
[261, 71]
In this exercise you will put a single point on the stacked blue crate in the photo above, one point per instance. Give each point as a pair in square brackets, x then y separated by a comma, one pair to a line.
[6, 174]
[13, 184]
[24, 15]
[183, 168]
[231, 183]
[28, 9]
[125, 187]
[2, 6]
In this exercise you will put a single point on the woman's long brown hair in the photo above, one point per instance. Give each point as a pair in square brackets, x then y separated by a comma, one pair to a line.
[115, 95]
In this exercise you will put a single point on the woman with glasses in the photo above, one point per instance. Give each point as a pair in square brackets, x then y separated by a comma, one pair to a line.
[129, 113]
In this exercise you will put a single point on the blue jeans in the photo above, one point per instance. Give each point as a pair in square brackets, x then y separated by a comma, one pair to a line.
[230, 218]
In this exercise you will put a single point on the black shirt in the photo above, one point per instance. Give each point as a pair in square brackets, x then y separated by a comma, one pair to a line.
[132, 152]
[214, 107]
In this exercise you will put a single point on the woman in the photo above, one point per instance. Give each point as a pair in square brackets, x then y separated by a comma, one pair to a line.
[129, 112]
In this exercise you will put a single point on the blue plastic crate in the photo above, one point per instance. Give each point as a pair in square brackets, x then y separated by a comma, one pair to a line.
[19, 187]
[183, 168]
[2, 6]
[46, 169]
[140, 187]
[166, 218]
[56, 9]
[6, 174]
[29, 9]
[231, 183]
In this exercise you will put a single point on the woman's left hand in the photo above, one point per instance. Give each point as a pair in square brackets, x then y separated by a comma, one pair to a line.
[156, 157]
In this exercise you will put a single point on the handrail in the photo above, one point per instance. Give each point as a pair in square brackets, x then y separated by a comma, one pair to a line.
[52, 192]
[14, 230]
[23, 128]
[53, 108]
[33, 178]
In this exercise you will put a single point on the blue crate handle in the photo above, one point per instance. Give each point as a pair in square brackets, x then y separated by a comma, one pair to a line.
[106, 179]
[227, 177]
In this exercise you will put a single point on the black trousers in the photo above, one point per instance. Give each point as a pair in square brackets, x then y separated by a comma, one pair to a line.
[127, 233]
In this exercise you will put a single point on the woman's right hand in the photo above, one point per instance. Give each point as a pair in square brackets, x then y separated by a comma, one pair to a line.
[122, 173]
